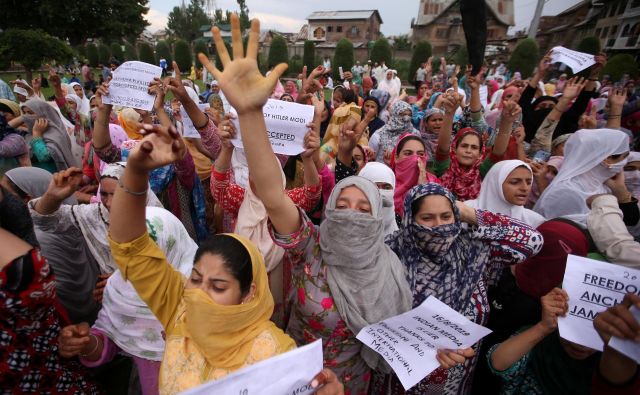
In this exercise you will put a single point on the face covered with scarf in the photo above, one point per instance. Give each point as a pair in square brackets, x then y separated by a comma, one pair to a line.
[381, 175]
[632, 173]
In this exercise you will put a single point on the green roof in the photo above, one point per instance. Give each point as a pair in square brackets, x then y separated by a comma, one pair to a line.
[223, 27]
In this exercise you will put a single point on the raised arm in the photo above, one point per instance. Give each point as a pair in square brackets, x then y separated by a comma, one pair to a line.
[450, 101]
[176, 87]
[509, 114]
[247, 91]
[617, 97]
[101, 138]
[158, 88]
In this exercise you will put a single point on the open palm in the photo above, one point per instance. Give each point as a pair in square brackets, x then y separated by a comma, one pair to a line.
[159, 147]
[241, 81]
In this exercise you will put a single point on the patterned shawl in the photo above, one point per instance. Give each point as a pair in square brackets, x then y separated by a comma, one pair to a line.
[443, 261]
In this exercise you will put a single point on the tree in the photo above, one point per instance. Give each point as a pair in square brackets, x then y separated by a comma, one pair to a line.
[92, 55]
[145, 53]
[163, 51]
[32, 48]
[130, 52]
[343, 57]
[200, 46]
[278, 52]
[619, 65]
[245, 22]
[460, 56]
[381, 51]
[218, 61]
[590, 44]
[524, 57]
[182, 55]
[421, 53]
[109, 20]
[185, 22]
[104, 54]
[309, 55]
[116, 51]
[402, 43]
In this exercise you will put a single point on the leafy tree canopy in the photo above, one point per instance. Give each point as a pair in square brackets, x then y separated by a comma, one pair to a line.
[185, 22]
[32, 48]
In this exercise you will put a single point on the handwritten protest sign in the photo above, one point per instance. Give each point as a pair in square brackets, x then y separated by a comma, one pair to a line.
[129, 86]
[188, 130]
[629, 348]
[409, 342]
[286, 126]
[593, 287]
[288, 373]
[578, 61]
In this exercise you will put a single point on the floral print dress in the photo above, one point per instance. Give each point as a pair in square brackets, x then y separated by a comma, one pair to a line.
[313, 312]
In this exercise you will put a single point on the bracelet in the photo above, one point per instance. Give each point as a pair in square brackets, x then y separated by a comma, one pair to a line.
[475, 112]
[203, 126]
[614, 116]
[94, 349]
[127, 190]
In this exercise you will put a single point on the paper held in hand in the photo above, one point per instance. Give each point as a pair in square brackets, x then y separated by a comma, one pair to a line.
[286, 126]
[578, 61]
[409, 342]
[188, 129]
[129, 86]
[288, 373]
[593, 287]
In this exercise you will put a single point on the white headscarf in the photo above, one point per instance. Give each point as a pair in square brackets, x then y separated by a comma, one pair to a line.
[84, 107]
[632, 178]
[392, 86]
[492, 197]
[582, 174]
[124, 317]
[380, 173]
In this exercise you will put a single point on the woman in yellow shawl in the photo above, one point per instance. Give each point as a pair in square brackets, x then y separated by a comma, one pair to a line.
[215, 322]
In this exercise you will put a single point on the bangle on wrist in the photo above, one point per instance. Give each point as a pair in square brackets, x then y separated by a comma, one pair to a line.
[94, 349]
[614, 115]
[129, 191]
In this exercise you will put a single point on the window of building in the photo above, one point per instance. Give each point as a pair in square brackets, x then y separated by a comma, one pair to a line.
[614, 30]
[442, 33]
[329, 29]
[354, 30]
[339, 29]
[625, 31]
[605, 32]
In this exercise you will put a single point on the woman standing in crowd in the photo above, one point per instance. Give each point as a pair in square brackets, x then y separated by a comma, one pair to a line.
[31, 318]
[386, 138]
[592, 158]
[454, 264]
[505, 190]
[348, 247]
[381, 175]
[12, 147]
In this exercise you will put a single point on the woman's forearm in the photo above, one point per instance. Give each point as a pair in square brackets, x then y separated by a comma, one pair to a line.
[444, 137]
[502, 140]
[223, 162]
[127, 214]
[311, 177]
[513, 349]
[617, 368]
[100, 135]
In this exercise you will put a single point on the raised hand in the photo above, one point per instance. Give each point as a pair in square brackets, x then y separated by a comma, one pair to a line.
[175, 86]
[39, 127]
[510, 111]
[64, 183]
[227, 132]
[451, 101]
[311, 141]
[618, 321]
[159, 147]
[544, 64]
[617, 97]
[539, 169]
[159, 89]
[318, 104]
[601, 61]
[573, 87]
[619, 188]
[54, 78]
[347, 140]
[554, 305]
[74, 340]
[103, 90]
[241, 81]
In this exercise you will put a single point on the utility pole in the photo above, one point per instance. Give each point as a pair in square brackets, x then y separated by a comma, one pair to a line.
[533, 28]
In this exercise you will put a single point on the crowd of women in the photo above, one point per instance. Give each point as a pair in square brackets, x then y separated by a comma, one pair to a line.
[141, 258]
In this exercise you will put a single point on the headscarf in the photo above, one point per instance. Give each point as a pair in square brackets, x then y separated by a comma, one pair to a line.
[554, 161]
[55, 137]
[430, 139]
[380, 173]
[5, 129]
[376, 123]
[84, 106]
[382, 96]
[353, 248]
[492, 197]
[141, 336]
[394, 128]
[465, 184]
[559, 140]
[129, 119]
[632, 178]
[443, 261]
[391, 86]
[582, 174]
[226, 334]
[10, 106]
[34, 181]
[294, 90]
[539, 274]
[73, 97]
[407, 174]
[367, 84]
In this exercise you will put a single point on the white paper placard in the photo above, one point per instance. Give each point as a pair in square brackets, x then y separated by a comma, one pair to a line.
[286, 126]
[129, 86]
[188, 130]
[629, 348]
[593, 287]
[409, 342]
[288, 373]
[578, 61]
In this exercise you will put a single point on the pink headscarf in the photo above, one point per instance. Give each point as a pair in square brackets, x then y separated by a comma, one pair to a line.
[510, 90]
[294, 89]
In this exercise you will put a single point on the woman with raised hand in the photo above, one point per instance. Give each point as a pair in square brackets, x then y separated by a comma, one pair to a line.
[387, 137]
[339, 264]
[454, 263]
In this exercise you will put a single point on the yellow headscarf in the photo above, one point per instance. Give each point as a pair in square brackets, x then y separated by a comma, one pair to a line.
[130, 121]
[13, 106]
[225, 334]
